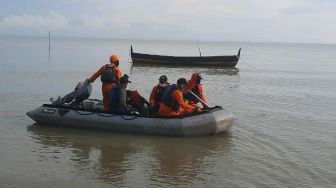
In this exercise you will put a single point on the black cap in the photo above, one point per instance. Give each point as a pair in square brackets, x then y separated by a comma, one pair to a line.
[124, 79]
[181, 83]
[163, 79]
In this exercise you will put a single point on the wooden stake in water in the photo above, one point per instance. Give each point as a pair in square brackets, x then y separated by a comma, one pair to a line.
[199, 49]
[49, 49]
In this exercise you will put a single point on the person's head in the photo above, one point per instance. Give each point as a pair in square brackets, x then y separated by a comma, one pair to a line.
[124, 80]
[198, 78]
[163, 79]
[181, 84]
[114, 59]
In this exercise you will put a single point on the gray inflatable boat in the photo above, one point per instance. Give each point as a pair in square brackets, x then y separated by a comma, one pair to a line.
[90, 115]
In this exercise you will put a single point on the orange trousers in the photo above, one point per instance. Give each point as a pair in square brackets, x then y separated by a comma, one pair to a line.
[106, 88]
[166, 111]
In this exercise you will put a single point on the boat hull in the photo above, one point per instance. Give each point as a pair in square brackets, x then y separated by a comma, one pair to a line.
[201, 61]
[215, 121]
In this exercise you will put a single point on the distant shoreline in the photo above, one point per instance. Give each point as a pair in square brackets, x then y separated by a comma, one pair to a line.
[164, 40]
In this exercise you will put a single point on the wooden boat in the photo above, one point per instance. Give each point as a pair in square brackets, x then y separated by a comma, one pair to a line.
[198, 61]
[212, 121]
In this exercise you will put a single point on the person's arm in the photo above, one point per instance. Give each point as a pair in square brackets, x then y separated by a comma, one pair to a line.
[97, 74]
[179, 98]
[202, 96]
[118, 72]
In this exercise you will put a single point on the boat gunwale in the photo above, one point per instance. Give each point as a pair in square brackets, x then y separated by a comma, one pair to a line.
[97, 111]
[169, 56]
[203, 61]
[182, 57]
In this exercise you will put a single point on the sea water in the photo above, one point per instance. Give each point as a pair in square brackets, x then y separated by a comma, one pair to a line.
[283, 98]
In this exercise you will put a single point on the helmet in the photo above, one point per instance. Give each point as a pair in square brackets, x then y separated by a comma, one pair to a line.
[114, 58]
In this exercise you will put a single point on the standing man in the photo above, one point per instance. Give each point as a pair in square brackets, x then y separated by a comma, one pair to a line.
[110, 75]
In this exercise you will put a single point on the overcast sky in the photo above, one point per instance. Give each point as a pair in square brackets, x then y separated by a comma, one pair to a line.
[223, 20]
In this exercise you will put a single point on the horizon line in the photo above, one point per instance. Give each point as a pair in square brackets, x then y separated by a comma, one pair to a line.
[160, 39]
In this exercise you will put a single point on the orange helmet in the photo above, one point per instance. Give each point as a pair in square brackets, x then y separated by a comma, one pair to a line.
[114, 58]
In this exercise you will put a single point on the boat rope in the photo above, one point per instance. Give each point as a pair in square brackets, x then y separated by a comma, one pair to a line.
[125, 117]
[122, 116]
[105, 115]
[84, 114]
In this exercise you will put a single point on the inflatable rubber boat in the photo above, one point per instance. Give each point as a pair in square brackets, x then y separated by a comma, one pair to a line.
[90, 115]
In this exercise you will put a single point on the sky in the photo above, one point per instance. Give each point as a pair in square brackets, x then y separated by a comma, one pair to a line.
[308, 21]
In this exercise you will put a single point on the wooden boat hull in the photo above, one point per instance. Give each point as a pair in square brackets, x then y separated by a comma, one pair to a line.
[201, 61]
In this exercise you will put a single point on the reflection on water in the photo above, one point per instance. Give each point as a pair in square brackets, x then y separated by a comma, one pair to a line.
[227, 71]
[90, 149]
[183, 163]
[111, 167]
[109, 156]
[206, 70]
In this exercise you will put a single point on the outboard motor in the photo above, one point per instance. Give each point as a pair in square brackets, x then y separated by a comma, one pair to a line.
[82, 91]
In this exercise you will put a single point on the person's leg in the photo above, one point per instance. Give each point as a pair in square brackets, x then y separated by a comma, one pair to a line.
[106, 88]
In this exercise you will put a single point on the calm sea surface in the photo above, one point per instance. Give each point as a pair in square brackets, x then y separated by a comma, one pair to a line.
[283, 97]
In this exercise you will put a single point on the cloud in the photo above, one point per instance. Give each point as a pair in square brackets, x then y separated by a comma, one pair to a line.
[32, 21]
[242, 20]
[93, 22]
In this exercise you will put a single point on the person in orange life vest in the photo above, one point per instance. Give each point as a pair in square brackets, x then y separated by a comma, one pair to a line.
[136, 101]
[157, 93]
[172, 104]
[194, 85]
[110, 75]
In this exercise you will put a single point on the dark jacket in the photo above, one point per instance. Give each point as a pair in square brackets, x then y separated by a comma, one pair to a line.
[117, 100]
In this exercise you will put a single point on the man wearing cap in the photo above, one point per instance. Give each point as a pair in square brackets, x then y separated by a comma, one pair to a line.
[157, 93]
[173, 104]
[110, 75]
[194, 85]
[117, 97]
